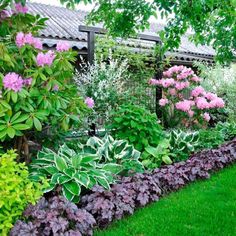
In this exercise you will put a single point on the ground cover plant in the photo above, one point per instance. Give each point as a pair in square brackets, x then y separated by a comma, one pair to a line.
[140, 189]
[203, 208]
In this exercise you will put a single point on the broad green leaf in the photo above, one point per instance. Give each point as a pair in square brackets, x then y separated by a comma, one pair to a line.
[21, 126]
[37, 124]
[11, 132]
[60, 163]
[67, 194]
[73, 187]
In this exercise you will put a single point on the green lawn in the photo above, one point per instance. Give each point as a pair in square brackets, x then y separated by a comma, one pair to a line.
[203, 208]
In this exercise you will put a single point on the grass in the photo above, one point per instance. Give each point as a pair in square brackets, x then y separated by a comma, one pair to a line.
[203, 208]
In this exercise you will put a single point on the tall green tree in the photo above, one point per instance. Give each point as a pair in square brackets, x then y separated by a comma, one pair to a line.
[213, 22]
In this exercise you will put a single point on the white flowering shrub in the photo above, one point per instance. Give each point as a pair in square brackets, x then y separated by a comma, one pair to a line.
[103, 86]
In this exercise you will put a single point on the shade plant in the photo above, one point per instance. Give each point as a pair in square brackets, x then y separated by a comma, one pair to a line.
[70, 172]
[184, 101]
[37, 91]
[137, 125]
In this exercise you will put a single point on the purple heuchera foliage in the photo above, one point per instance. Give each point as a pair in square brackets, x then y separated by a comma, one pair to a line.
[141, 189]
[57, 216]
[129, 193]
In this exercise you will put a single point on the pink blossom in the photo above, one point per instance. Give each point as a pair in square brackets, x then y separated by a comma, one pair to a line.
[202, 103]
[4, 14]
[181, 85]
[184, 105]
[20, 39]
[63, 46]
[206, 116]
[20, 8]
[190, 113]
[217, 103]
[198, 91]
[29, 39]
[167, 82]
[37, 44]
[89, 102]
[172, 92]
[167, 74]
[154, 82]
[195, 79]
[163, 102]
[27, 82]
[210, 96]
[45, 59]
[13, 81]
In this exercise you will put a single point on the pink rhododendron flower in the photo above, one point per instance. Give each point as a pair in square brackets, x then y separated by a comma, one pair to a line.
[217, 103]
[154, 82]
[195, 79]
[29, 39]
[13, 81]
[27, 82]
[45, 59]
[202, 103]
[167, 74]
[190, 113]
[89, 102]
[198, 91]
[20, 39]
[163, 102]
[210, 96]
[181, 85]
[4, 14]
[206, 116]
[172, 92]
[37, 44]
[20, 8]
[167, 82]
[184, 105]
[63, 46]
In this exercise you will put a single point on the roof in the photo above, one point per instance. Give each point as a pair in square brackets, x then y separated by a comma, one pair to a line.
[63, 24]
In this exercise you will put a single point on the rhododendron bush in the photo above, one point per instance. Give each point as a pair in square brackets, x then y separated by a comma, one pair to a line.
[36, 85]
[185, 102]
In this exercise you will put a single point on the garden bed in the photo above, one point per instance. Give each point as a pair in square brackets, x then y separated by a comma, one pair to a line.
[99, 208]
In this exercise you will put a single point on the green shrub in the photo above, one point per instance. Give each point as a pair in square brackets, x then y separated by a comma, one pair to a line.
[137, 125]
[71, 171]
[16, 190]
[153, 157]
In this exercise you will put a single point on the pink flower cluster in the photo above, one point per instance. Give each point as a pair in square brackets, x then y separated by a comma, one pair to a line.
[13, 81]
[62, 46]
[89, 102]
[20, 8]
[23, 39]
[45, 59]
[180, 79]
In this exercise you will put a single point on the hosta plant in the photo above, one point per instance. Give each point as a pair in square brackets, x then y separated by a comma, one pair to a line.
[72, 171]
[153, 157]
[182, 143]
[110, 150]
